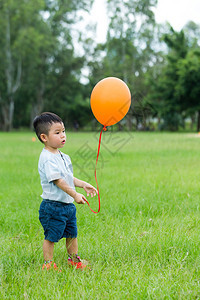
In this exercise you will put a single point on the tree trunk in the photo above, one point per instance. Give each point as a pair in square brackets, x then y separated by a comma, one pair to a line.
[35, 111]
[193, 117]
[129, 122]
[7, 115]
[37, 107]
[198, 121]
[8, 106]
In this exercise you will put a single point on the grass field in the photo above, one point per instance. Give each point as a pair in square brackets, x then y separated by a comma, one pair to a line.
[144, 243]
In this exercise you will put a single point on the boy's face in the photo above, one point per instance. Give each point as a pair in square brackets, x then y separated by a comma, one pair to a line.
[56, 137]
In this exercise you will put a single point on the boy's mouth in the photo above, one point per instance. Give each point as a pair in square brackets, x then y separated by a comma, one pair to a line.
[63, 142]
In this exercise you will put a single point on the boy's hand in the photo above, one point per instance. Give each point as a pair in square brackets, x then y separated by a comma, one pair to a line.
[90, 190]
[79, 198]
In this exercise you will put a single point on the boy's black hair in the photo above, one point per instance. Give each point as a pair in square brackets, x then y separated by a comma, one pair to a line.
[43, 122]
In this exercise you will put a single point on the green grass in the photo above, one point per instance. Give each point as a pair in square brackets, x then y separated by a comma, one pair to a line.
[144, 243]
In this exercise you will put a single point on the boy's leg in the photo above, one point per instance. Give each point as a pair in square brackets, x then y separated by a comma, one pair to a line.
[48, 248]
[72, 245]
[72, 249]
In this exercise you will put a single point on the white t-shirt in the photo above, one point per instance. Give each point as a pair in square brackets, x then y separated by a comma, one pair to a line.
[51, 167]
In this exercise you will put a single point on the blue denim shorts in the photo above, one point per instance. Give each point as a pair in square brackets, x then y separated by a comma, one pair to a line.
[58, 220]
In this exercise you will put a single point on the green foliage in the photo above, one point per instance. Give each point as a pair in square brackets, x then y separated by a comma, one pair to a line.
[40, 39]
[188, 88]
[40, 69]
[128, 49]
[174, 83]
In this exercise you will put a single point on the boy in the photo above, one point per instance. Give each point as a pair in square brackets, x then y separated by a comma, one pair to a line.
[57, 212]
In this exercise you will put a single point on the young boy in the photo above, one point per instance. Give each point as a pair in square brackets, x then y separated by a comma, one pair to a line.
[57, 212]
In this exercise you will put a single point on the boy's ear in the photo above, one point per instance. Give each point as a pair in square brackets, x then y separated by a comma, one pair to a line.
[43, 137]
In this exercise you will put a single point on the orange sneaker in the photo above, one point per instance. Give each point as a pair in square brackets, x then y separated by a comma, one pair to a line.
[50, 266]
[77, 263]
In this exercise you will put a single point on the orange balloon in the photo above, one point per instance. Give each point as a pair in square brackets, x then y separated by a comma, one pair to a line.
[110, 100]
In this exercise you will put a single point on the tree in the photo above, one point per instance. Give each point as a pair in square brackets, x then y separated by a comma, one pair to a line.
[11, 65]
[17, 28]
[173, 84]
[33, 34]
[128, 50]
[37, 53]
[64, 92]
[162, 79]
[188, 88]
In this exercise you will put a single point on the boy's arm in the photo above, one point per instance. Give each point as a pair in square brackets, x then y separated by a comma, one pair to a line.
[90, 190]
[79, 198]
[78, 182]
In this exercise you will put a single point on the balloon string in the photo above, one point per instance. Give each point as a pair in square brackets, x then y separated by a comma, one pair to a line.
[95, 173]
